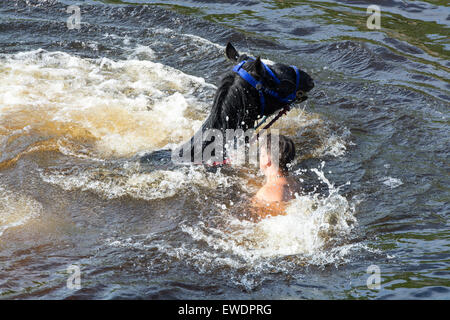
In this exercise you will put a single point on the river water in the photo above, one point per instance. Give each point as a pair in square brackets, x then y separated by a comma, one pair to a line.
[77, 106]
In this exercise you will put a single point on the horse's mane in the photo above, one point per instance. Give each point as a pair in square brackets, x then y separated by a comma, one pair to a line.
[235, 99]
[234, 104]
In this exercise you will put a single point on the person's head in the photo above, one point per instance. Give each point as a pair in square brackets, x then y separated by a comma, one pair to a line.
[268, 158]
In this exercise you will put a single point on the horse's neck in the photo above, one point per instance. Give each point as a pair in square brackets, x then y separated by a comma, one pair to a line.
[230, 110]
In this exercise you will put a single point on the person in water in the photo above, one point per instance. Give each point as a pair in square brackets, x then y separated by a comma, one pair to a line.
[278, 187]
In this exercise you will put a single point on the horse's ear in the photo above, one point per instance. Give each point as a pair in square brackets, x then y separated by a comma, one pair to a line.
[259, 68]
[231, 52]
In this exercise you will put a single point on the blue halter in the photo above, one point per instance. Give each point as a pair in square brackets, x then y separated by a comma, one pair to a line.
[262, 90]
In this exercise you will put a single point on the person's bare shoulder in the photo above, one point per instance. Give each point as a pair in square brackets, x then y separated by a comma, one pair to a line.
[262, 208]
[270, 194]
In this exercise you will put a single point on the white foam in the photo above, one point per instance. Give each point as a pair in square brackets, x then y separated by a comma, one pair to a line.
[298, 121]
[189, 37]
[121, 107]
[334, 146]
[142, 52]
[16, 210]
[310, 224]
[391, 182]
[314, 231]
[129, 181]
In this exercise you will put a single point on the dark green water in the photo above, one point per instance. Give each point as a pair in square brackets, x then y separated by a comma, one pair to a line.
[378, 120]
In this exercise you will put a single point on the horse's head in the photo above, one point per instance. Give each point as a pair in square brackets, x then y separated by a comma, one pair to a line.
[280, 84]
[252, 90]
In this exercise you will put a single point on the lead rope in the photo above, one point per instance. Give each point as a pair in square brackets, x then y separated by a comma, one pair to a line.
[267, 126]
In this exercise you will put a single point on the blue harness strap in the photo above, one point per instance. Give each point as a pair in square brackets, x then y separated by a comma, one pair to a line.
[258, 85]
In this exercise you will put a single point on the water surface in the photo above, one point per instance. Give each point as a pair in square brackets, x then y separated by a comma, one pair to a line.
[77, 106]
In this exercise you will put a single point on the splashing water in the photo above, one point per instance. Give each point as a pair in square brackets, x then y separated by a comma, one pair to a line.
[315, 231]
[126, 103]
[109, 108]
[16, 210]
[72, 115]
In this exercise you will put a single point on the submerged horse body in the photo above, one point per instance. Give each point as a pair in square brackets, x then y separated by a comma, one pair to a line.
[250, 91]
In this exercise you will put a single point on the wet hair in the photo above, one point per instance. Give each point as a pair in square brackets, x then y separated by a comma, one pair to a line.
[286, 150]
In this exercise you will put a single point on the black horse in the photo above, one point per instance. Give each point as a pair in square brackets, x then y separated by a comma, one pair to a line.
[244, 96]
